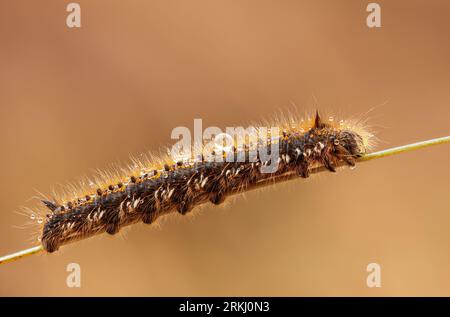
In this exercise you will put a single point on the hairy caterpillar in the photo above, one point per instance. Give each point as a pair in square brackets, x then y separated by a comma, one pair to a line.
[151, 190]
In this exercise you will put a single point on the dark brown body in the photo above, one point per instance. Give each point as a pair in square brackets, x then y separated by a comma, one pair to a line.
[179, 188]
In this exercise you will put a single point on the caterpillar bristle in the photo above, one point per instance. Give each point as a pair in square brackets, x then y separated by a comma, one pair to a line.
[155, 186]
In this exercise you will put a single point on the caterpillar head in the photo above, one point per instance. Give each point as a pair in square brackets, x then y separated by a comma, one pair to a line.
[346, 141]
[352, 142]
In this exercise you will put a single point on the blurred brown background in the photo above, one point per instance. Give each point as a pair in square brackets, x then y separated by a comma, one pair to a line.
[72, 100]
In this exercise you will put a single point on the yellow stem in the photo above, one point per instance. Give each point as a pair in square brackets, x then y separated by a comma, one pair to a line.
[21, 254]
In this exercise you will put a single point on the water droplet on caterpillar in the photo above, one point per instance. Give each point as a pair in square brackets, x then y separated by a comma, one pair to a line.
[331, 119]
[341, 123]
[40, 220]
[32, 216]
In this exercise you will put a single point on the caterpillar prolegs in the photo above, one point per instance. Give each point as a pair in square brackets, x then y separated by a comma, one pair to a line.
[152, 191]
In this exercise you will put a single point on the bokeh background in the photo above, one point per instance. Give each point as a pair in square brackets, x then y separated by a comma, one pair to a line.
[73, 100]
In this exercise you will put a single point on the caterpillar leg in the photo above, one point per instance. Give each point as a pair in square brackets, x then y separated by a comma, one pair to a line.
[50, 244]
[113, 225]
[327, 162]
[217, 198]
[349, 160]
[184, 207]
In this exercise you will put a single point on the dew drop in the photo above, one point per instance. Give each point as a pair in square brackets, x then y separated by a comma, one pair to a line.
[40, 220]
[32, 216]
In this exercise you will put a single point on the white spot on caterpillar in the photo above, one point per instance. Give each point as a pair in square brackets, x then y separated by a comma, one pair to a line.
[319, 147]
[204, 182]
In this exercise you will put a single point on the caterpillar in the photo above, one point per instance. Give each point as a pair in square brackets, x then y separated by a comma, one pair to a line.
[152, 189]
